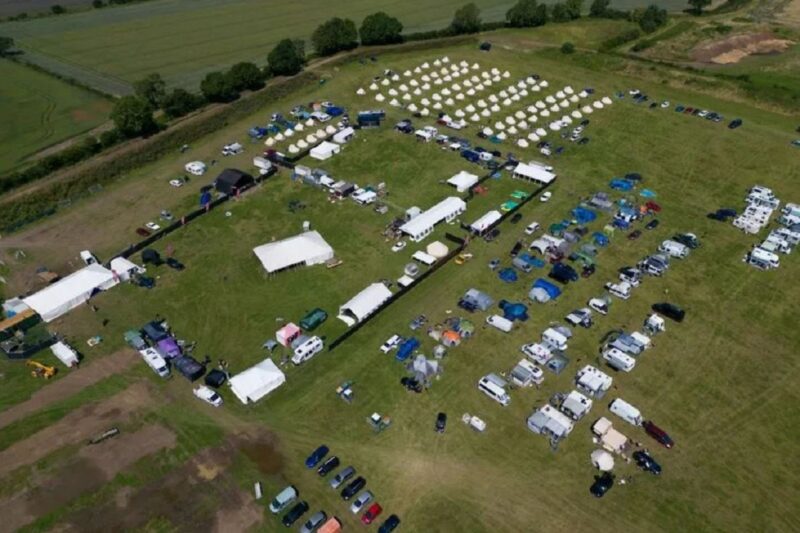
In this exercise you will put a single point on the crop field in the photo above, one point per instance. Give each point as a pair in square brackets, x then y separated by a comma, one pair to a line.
[110, 47]
[720, 382]
[39, 111]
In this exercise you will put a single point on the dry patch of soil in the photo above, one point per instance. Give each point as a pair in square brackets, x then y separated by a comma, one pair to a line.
[735, 48]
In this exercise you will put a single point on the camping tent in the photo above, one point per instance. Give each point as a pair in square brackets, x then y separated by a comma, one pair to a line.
[364, 303]
[231, 181]
[543, 291]
[287, 334]
[324, 150]
[477, 299]
[307, 249]
[257, 381]
[70, 292]
[602, 460]
[463, 181]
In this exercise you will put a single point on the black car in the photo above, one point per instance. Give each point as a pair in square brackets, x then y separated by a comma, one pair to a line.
[144, 281]
[516, 218]
[174, 263]
[584, 140]
[327, 466]
[294, 514]
[563, 273]
[687, 239]
[585, 122]
[602, 484]
[646, 462]
[515, 250]
[411, 384]
[653, 224]
[441, 422]
[390, 524]
[670, 311]
[353, 488]
[633, 176]
[635, 234]
[735, 123]
[492, 235]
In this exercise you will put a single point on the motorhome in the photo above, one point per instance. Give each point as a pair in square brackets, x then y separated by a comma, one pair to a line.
[554, 340]
[626, 411]
[493, 387]
[619, 360]
[537, 352]
[760, 258]
[307, 350]
[621, 290]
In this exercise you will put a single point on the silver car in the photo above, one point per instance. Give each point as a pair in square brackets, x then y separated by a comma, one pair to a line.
[313, 523]
[342, 476]
[363, 499]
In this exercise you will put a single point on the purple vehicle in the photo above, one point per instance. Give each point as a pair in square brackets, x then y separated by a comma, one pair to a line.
[168, 348]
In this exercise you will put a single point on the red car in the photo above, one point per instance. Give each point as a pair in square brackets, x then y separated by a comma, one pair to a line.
[143, 232]
[372, 513]
[659, 434]
[688, 110]
[652, 206]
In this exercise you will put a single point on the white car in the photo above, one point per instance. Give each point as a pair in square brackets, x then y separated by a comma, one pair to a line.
[399, 245]
[207, 395]
[393, 342]
[702, 113]
[531, 229]
[634, 92]
[546, 196]
[361, 502]
[152, 226]
[600, 305]
[665, 104]
[177, 182]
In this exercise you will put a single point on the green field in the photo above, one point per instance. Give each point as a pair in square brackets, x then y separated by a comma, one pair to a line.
[39, 111]
[722, 382]
[184, 39]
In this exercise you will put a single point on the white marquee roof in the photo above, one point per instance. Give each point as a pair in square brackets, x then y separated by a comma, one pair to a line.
[257, 381]
[307, 248]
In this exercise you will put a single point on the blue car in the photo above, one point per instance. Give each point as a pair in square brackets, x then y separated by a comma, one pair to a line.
[317, 456]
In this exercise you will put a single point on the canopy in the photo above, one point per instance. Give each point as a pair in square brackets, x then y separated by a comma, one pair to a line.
[70, 292]
[602, 460]
[324, 150]
[257, 381]
[463, 181]
[533, 173]
[364, 303]
[124, 268]
[287, 334]
[307, 249]
[437, 249]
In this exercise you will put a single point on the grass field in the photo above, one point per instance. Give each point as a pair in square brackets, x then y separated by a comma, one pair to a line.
[125, 44]
[722, 382]
[40, 111]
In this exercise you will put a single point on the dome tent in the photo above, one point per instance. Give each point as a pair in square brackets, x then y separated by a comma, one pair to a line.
[602, 460]
[437, 249]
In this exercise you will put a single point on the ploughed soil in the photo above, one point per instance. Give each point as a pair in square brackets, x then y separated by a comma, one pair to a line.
[80, 425]
[77, 380]
[199, 496]
[736, 47]
[86, 472]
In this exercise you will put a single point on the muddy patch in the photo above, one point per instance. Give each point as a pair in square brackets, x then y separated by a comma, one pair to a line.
[263, 452]
[735, 48]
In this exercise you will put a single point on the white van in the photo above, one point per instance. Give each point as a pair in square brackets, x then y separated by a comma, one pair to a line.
[499, 322]
[762, 259]
[619, 360]
[554, 340]
[155, 361]
[88, 257]
[621, 290]
[307, 350]
[494, 391]
[778, 242]
[674, 249]
[626, 411]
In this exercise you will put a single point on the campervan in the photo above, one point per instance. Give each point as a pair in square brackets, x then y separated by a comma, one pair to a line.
[307, 350]
[630, 275]
[232, 149]
[762, 259]
[554, 340]
[155, 362]
[626, 411]
[777, 242]
[621, 290]
[619, 360]
[537, 352]
[674, 249]
[493, 387]
[790, 236]
[499, 322]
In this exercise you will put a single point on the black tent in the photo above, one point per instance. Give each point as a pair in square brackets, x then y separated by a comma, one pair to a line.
[232, 181]
[151, 256]
[189, 367]
[154, 331]
[216, 378]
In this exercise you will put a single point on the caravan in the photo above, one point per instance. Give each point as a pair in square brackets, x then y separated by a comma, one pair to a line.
[621, 290]
[307, 350]
[619, 360]
[554, 340]
[626, 411]
[499, 322]
[493, 387]
[762, 259]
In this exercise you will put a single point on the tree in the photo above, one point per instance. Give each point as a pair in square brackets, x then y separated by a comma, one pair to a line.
[217, 87]
[698, 5]
[599, 8]
[380, 28]
[574, 8]
[559, 13]
[110, 138]
[97, 4]
[180, 102]
[246, 76]
[334, 36]
[151, 89]
[567, 48]
[527, 14]
[6, 45]
[286, 59]
[57, 9]
[652, 18]
[467, 19]
[133, 116]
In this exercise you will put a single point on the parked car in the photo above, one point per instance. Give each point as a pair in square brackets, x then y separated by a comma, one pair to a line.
[516, 218]
[531, 229]
[653, 224]
[152, 226]
[399, 245]
[670, 311]
[283, 499]
[313, 523]
[326, 467]
[602, 484]
[166, 215]
[208, 395]
[493, 264]
[635, 234]
[372, 513]
[294, 514]
[563, 273]
[146, 282]
[359, 503]
[142, 232]
[722, 215]
[317, 456]
[689, 240]
[411, 384]
[646, 462]
[391, 343]
[545, 197]
[174, 264]
[584, 140]
[353, 487]
[658, 434]
[492, 235]
[735, 123]
[342, 476]
[441, 422]
[390, 524]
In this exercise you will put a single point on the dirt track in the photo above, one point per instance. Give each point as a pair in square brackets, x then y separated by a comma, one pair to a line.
[77, 426]
[76, 381]
[89, 471]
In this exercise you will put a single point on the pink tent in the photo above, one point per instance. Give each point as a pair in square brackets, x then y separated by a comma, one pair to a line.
[287, 334]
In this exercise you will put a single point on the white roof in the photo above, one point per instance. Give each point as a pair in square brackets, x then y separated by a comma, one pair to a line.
[593, 379]
[485, 221]
[120, 266]
[68, 293]
[307, 248]
[423, 257]
[534, 172]
[257, 381]
[446, 208]
[364, 303]
[64, 353]
[463, 181]
[405, 281]
[341, 137]
[577, 404]
[324, 150]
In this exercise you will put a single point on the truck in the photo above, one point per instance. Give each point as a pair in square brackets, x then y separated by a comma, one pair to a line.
[155, 362]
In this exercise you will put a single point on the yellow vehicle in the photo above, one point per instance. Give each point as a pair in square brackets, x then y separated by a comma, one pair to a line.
[40, 370]
[463, 257]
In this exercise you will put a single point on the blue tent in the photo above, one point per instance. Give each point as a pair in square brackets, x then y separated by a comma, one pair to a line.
[543, 291]
[514, 311]
[621, 224]
[600, 239]
[535, 262]
[406, 349]
[621, 185]
[647, 193]
[509, 275]
[583, 215]
[205, 198]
